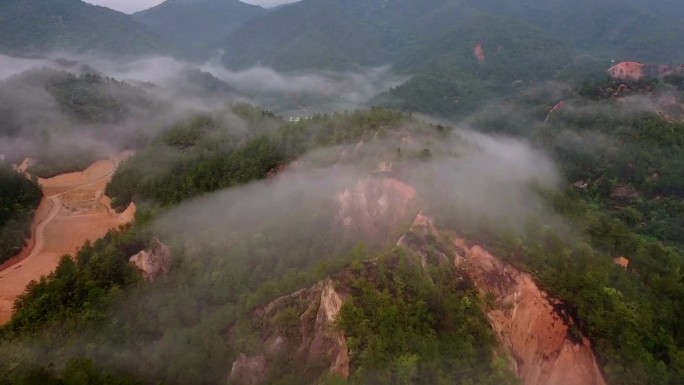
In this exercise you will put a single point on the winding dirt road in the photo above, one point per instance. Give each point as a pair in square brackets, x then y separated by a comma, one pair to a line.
[78, 212]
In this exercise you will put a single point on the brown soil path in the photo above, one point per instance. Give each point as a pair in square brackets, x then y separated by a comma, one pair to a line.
[79, 212]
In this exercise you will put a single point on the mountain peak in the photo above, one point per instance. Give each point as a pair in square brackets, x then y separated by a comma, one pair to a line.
[198, 22]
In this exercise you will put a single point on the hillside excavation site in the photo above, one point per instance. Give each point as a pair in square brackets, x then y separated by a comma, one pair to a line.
[73, 210]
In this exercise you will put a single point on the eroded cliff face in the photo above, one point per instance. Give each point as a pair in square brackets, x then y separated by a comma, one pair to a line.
[526, 320]
[528, 324]
[153, 261]
[376, 206]
[311, 335]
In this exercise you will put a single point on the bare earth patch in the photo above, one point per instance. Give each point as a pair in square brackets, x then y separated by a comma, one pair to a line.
[73, 210]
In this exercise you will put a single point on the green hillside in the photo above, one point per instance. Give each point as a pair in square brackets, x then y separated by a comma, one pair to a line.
[312, 34]
[451, 81]
[624, 30]
[39, 26]
[197, 22]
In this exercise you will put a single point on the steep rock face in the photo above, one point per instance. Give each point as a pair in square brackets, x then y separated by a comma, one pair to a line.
[525, 319]
[128, 215]
[529, 325]
[376, 205]
[627, 71]
[153, 261]
[312, 336]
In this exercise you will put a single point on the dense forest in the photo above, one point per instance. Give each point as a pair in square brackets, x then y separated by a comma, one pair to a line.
[64, 120]
[19, 198]
[620, 155]
[406, 329]
[646, 296]
[207, 153]
[97, 290]
[527, 148]
[28, 26]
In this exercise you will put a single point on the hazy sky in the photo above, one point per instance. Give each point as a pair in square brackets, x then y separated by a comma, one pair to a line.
[130, 6]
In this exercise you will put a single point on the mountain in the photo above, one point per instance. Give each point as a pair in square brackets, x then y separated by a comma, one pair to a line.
[334, 34]
[312, 34]
[198, 22]
[625, 29]
[481, 58]
[33, 26]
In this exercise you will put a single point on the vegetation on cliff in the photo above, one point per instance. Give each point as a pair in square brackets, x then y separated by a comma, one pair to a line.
[19, 198]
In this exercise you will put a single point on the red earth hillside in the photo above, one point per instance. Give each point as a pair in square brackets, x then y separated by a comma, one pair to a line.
[627, 70]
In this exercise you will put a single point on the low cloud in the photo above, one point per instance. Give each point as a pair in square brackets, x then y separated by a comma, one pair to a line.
[493, 179]
[175, 90]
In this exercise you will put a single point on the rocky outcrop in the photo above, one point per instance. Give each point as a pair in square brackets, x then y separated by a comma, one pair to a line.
[529, 324]
[627, 71]
[311, 336]
[153, 261]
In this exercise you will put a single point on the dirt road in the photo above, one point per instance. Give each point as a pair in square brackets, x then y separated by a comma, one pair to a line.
[79, 212]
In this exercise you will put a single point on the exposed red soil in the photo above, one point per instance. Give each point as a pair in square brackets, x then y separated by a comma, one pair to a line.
[314, 341]
[559, 106]
[71, 213]
[627, 70]
[622, 262]
[526, 320]
[528, 324]
[376, 205]
[480, 53]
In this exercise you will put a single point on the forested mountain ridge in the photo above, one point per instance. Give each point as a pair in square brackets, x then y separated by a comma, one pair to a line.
[38, 26]
[615, 29]
[50, 113]
[434, 43]
[198, 23]
[200, 156]
[309, 35]
[609, 29]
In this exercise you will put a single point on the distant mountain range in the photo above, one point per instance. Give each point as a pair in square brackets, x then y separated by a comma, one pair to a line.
[451, 48]
[338, 34]
[198, 22]
[37, 26]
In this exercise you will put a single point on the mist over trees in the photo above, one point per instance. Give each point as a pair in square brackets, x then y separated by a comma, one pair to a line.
[498, 118]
